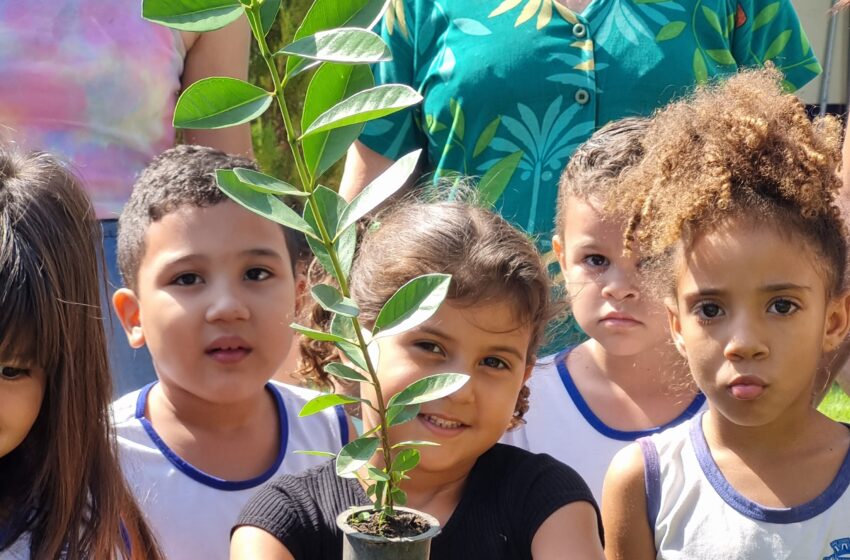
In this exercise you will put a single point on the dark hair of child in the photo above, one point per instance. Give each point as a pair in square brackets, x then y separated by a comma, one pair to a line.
[62, 485]
[596, 166]
[489, 261]
[183, 176]
[760, 159]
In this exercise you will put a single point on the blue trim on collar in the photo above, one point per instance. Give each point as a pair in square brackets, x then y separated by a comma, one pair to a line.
[747, 507]
[602, 427]
[343, 424]
[652, 478]
[197, 474]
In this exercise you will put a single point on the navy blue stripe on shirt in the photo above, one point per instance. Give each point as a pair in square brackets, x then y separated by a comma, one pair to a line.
[602, 427]
[197, 474]
[652, 479]
[758, 512]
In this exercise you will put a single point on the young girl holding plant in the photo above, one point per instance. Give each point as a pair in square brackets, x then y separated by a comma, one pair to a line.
[735, 204]
[493, 501]
[62, 494]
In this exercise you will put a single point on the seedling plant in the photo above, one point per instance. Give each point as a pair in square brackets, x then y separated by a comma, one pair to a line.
[336, 45]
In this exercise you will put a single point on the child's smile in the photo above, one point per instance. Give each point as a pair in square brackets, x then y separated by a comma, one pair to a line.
[483, 341]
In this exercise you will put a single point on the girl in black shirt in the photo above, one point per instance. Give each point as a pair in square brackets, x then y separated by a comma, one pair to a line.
[493, 501]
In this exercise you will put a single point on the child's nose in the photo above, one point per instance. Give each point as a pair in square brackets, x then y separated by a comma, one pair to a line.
[619, 285]
[226, 305]
[745, 342]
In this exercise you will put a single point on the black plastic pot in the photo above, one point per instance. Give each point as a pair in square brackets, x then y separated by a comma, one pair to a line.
[362, 546]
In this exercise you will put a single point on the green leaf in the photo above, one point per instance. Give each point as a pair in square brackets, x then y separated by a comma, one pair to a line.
[331, 300]
[380, 488]
[317, 335]
[486, 136]
[400, 414]
[329, 85]
[268, 14]
[399, 497]
[266, 183]
[266, 205]
[777, 46]
[343, 327]
[765, 16]
[344, 372]
[813, 67]
[316, 453]
[433, 125]
[331, 206]
[406, 460]
[721, 56]
[344, 46]
[219, 103]
[354, 455]
[353, 353]
[383, 187]
[192, 15]
[377, 475]
[415, 443]
[712, 19]
[429, 389]
[320, 403]
[700, 69]
[363, 106]
[458, 122]
[412, 304]
[670, 31]
[331, 14]
[494, 182]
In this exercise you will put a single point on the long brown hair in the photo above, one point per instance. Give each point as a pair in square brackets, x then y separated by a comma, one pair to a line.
[62, 485]
[488, 259]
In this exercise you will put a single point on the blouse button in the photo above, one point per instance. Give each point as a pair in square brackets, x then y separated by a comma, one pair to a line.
[582, 96]
[579, 30]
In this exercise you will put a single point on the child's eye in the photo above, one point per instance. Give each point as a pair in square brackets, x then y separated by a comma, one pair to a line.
[782, 307]
[430, 347]
[257, 274]
[10, 373]
[708, 311]
[494, 362]
[596, 260]
[187, 279]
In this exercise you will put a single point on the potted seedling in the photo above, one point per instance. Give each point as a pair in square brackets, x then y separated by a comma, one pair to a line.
[334, 43]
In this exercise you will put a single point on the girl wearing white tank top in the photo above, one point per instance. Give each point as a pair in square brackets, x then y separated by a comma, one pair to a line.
[735, 206]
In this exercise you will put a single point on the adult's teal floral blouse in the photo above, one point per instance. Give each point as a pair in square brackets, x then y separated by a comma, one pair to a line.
[512, 87]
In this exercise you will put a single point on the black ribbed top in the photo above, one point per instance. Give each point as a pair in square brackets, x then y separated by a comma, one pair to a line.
[508, 495]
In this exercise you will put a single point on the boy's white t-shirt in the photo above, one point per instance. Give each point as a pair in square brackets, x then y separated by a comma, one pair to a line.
[559, 422]
[696, 513]
[191, 512]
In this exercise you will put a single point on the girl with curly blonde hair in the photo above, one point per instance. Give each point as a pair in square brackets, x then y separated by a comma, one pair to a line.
[735, 204]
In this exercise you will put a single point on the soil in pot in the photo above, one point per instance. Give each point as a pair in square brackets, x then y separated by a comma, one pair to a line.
[402, 525]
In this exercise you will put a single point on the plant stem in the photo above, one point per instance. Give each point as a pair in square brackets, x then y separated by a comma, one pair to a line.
[291, 138]
[307, 179]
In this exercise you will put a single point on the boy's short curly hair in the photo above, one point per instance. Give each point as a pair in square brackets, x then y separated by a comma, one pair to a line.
[179, 177]
[739, 148]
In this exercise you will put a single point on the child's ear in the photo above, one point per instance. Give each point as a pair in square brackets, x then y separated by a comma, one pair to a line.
[675, 326]
[837, 322]
[528, 369]
[558, 248]
[126, 306]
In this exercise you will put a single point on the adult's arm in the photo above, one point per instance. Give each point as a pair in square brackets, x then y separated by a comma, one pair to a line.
[628, 535]
[252, 543]
[362, 165]
[223, 52]
[570, 532]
